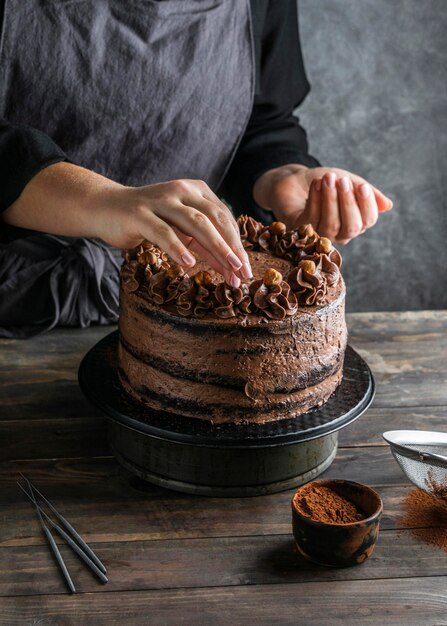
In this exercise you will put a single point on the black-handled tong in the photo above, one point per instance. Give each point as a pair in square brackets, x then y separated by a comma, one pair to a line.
[80, 547]
[67, 526]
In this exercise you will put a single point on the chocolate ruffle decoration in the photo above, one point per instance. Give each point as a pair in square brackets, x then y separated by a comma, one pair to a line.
[156, 287]
[166, 285]
[151, 273]
[330, 266]
[197, 299]
[178, 283]
[230, 301]
[288, 244]
[307, 283]
[131, 276]
[327, 264]
[276, 301]
[250, 230]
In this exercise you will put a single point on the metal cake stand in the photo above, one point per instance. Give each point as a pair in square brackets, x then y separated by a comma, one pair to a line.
[196, 456]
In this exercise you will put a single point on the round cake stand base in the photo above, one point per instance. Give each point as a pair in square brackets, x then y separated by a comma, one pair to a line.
[231, 491]
[198, 457]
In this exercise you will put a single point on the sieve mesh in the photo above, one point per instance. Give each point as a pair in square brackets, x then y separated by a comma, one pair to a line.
[423, 472]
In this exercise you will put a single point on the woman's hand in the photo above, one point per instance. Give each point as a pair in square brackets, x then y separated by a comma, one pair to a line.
[178, 216]
[339, 205]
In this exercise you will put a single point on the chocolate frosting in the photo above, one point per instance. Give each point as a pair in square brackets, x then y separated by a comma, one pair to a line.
[290, 244]
[195, 299]
[130, 273]
[177, 286]
[275, 301]
[230, 301]
[250, 230]
[155, 276]
[330, 266]
[157, 287]
[309, 288]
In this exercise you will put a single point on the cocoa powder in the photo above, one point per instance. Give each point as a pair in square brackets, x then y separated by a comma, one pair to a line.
[322, 504]
[425, 516]
[436, 488]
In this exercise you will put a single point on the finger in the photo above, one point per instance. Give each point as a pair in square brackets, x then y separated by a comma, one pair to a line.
[366, 201]
[383, 202]
[222, 219]
[162, 235]
[330, 222]
[192, 244]
[351, 219]
[200, 196]
[230, 277]
[196, 224]
[312, 213]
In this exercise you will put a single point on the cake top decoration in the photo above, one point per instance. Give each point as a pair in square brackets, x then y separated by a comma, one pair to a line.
[307, 266]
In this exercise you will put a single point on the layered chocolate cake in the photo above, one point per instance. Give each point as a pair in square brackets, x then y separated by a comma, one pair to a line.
[270, 349]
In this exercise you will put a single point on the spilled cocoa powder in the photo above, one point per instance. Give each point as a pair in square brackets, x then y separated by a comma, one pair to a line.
[425, 516]
[322, 504]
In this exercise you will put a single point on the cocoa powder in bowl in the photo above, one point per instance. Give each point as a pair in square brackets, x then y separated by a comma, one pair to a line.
[336, 522]
[323, 504]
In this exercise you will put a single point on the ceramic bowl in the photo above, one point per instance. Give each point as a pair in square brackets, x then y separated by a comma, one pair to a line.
[339, 545]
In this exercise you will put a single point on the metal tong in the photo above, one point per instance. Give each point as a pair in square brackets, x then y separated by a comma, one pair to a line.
[70, 536]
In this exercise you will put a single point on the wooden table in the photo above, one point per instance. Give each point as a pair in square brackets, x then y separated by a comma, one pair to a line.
[178, 559]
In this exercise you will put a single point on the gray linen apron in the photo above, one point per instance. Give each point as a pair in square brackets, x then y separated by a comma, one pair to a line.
[141, 91]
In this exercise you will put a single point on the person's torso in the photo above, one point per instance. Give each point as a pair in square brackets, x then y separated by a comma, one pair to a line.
[139, 91]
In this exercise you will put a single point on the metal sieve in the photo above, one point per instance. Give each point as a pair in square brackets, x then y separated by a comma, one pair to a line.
[421, 455]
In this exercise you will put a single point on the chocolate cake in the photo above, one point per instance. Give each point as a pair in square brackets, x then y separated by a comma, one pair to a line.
[270, 349]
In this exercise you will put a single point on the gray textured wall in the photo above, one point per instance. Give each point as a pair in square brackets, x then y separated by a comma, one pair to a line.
[378, 107]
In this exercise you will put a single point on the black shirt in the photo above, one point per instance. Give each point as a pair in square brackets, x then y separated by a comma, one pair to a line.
[273, 136]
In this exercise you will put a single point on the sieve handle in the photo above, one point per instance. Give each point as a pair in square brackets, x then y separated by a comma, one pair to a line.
[418, 455]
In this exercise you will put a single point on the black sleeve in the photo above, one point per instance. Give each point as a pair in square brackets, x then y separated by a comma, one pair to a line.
[24, 152]
[273, 136]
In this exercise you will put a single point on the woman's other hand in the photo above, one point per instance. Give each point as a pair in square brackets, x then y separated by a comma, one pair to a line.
[339, 205]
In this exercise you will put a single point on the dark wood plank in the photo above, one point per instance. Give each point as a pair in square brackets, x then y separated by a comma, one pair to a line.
[415, 389]
[402, 326]
[60, 343]
[162, 514]
[106, 504]
[46, 398]
[49, 439]
[368, 429]
[42, 382]
[192, 563]
[407, 373]
[406, 352]
[389, 603]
